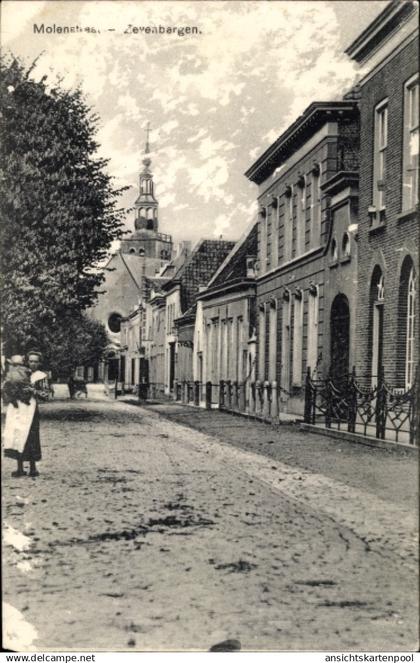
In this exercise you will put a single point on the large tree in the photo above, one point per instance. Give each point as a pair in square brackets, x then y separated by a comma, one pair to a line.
[58, 206]
[77, 341]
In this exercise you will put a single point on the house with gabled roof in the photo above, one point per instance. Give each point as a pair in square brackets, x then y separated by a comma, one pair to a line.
[224, 330]
[182, 290]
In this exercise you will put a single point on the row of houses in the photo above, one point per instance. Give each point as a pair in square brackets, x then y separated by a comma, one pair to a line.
[325, 281]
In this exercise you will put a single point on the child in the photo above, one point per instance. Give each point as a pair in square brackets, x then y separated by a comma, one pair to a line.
[17, 385]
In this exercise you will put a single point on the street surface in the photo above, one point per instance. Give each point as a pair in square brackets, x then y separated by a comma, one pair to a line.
[144, 534]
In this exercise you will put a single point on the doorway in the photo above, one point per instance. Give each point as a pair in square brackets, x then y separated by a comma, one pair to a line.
[340, 338]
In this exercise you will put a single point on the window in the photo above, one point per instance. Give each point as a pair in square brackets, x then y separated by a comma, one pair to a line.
[377, 299]
[285, 350]
[411, 318]
[411, 144]
[345, 246]
[312, 351]
[114, 323]
[269, 236]
[406, 336]
[275, 207]
[297, 340]
[379, 161]
[315, 206]
[300, 216]
[334, 251]
[272, 343]
[263, 239]
[262, 339]
[288, 224]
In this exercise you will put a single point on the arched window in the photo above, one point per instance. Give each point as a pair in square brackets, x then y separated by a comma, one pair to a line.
[345, 246]
[411, 319]
[340, 338]
[376, 322]
[132, 251]
[406, 349]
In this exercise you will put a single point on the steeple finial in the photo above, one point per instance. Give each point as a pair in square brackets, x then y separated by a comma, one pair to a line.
[147, 150]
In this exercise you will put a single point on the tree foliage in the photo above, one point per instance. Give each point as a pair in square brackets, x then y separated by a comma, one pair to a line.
[76, 341]
[59, 210]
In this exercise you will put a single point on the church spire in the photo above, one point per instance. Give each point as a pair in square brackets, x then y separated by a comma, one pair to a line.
[146, 204]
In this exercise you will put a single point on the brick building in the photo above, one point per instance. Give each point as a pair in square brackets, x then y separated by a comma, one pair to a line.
[388, 307]
[313, 161]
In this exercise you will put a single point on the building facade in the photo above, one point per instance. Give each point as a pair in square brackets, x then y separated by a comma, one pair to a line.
[388, 248]
[297, 176]
[225, 326]
[181, 292]
[141, 255]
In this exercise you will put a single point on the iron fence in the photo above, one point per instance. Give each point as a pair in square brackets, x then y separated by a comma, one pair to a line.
[367, 405]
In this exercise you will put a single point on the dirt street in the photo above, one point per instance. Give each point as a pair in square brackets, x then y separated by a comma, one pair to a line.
[143, 534]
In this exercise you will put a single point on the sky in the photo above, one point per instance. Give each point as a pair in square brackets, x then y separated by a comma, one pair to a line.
[215, 98]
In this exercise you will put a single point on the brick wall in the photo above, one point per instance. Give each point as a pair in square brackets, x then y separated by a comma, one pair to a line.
[400, 237]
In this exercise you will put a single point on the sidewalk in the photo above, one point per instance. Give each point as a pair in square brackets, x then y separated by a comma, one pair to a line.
[389, 473]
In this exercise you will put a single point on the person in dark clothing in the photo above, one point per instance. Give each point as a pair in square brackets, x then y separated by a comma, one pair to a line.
[21, 436]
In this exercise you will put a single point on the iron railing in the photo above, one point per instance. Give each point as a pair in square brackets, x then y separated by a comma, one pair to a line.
[367, 405]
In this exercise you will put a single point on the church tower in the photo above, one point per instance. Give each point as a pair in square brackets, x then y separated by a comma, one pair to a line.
[146, 204]
[146, 240]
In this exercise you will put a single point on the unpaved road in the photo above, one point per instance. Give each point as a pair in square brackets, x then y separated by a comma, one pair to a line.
[142, 534]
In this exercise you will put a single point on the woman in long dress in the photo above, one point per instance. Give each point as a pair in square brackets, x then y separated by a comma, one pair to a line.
[21, 434]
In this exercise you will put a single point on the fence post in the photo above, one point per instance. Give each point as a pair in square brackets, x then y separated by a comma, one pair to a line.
[242, 396]
[208, 395]
[266, 400]
[380, 409]
[414, 408]
[329, 392]
[221, 394]
[352, 401]
[308, 397]
[251, 401]
[228, 394]
[274, 411]
[235, 396]
[196, 392]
